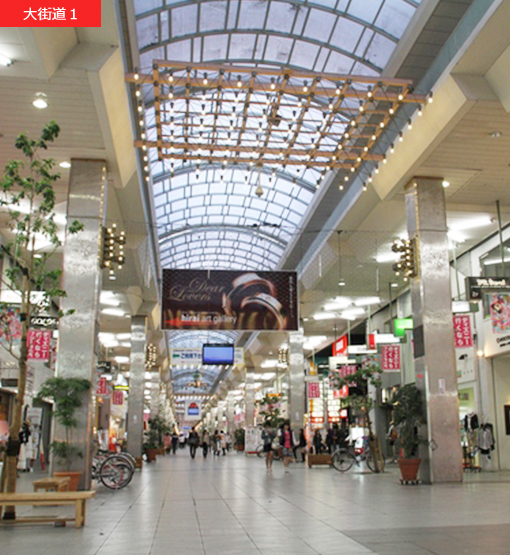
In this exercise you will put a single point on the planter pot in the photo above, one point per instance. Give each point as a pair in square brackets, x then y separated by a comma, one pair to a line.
[151, 454]
[239, 447]
[409, 469]
[74, 479]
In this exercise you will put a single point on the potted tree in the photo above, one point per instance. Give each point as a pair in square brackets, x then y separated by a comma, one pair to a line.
[27, 194]
[151, 445]
[239, 439]
[408, 415]
[161, 427]
[66, 394]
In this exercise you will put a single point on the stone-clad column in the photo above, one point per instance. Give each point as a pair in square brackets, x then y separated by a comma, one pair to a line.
[433, 334]
[296, 380]
[77, 346]
[136, 386]
[249, 398]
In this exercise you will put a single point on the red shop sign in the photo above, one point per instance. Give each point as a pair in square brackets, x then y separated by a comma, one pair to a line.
[314, 390]
[39, 344]
[340, 346]
[102, 387]
[118, 397]
[462, 331]
[390, 358]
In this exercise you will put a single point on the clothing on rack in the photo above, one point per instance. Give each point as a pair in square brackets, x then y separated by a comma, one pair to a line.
[471, 421]
[485, 439]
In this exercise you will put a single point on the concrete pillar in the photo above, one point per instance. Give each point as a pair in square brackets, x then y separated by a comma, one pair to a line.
[296, 380]
[249, 398]
[77, 347]
[434, 351]
[136, 386]
[154, 394]
[230, 414]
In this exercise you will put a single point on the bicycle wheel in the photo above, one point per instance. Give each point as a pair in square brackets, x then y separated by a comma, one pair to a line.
[342, 460]
[115, 475]
[125, 458]
[371, 463]
[260, 451]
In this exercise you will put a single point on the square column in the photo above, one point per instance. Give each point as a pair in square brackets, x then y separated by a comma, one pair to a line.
[434, 351]
[136, 386]
[249, 398]
[77, 345]
[296, 380]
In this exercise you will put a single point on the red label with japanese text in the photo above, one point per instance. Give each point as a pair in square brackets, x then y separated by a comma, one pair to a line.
[51, 13]
[118, 397]
[462, 331]
[39, 344]
[314, 390]
[102, 387]
[390, 358]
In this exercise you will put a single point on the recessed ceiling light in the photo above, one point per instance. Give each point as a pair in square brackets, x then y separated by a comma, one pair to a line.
[446, 183]
[394, 284]
[495, 134]
[341, 283]
[5, 61]
[40, 101]
[65, 165]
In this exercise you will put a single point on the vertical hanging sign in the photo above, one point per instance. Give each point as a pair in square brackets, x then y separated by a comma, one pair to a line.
[314, 390]
[462, 330]
[102, 387]
[117, 397]
[39, 344]
[390, 358]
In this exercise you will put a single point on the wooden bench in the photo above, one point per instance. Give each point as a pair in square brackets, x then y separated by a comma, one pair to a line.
[52, 484]
[324, 458]
[77, 498]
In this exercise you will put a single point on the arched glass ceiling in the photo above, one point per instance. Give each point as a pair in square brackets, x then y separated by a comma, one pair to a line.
[342, 36]
[195, 339]
[217, 220]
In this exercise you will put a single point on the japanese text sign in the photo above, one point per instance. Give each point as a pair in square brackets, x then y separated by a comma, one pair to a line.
[341, 393]
[390, 358]
[39, 344]
[314, 390]
[102, 387]
[52, 13]
[118, 397]
[462, 330]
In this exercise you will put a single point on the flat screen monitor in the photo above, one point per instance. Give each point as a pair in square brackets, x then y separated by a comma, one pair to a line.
[218, 354]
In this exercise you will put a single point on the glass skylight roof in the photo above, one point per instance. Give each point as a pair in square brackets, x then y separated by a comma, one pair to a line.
[214, 219]
[343, 36]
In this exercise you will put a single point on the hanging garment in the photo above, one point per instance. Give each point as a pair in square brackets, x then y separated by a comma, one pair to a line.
[485, 439]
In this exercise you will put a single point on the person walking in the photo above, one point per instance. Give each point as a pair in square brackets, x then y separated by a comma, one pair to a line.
[175, 442]
[223, 443]
[167, 443]
[317, 442]
[287, 444]
[216, 443]
[268, 436]
[302, 446]
[206, 440]
[193, 441]
[333, 438]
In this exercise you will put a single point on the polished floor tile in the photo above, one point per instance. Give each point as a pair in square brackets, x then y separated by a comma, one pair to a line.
[231, 506]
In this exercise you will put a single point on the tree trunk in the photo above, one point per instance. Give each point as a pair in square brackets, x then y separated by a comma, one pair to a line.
[11, 459]
[374, 445]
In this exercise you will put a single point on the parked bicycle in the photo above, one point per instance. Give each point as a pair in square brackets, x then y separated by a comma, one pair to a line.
[345, 457]
[113, 471]
[261, 454]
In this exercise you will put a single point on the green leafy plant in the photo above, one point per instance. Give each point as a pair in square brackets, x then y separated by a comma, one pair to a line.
[359, 399]
[160, 427]
[239, 436]
[151, 440]
[408, 416]
[27, 194]
[270, 411]
[67, 395]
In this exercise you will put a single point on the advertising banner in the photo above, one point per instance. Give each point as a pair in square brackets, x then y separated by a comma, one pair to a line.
[102, 387]
[462, 330]
[39, 344]
[390, 358]
[117, 397]
[229, 300]
[475, 286]
[340, 346]
[314, 390]
[192, 409]
[500, 313]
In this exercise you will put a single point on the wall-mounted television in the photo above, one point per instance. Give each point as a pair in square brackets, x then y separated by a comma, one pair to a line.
[218, 354]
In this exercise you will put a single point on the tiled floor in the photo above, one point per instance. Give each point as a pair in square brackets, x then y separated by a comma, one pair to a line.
[232, 506]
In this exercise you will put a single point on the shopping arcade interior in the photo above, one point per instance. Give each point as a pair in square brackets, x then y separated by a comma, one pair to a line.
[468, 150]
